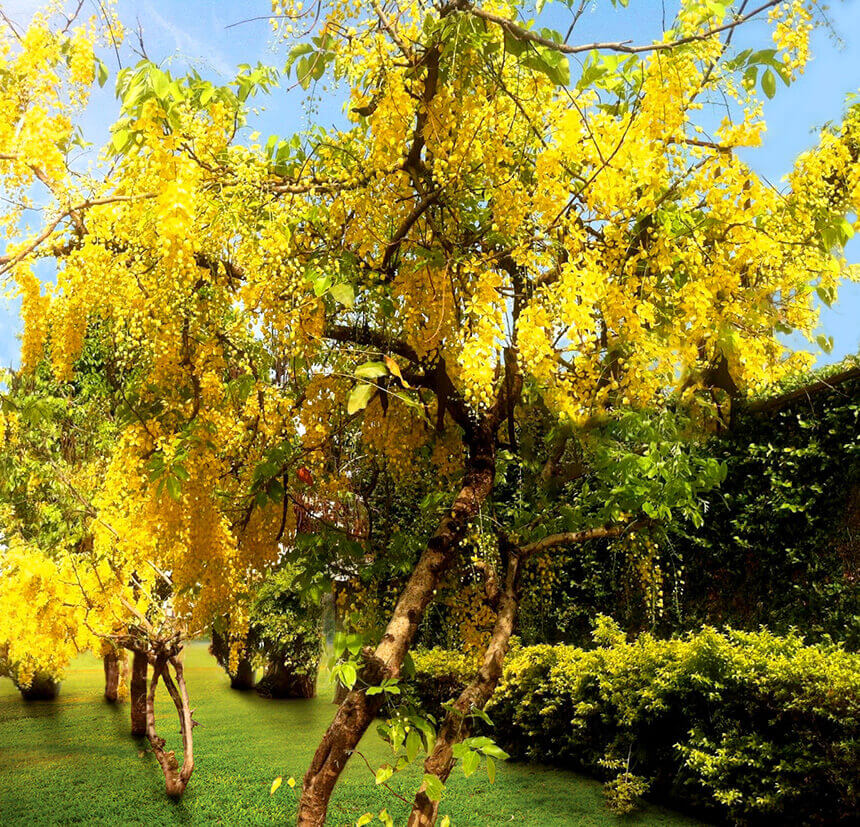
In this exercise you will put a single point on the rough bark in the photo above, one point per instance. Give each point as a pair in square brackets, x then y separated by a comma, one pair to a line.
[357, 710]
[137, 693]
[112, 673]
[42, 688]
[456, 725]
[282, 682]
[124, 671]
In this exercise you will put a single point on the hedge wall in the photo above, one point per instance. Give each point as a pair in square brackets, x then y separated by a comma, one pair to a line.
[781, 542]
[748, 727]
[780, 545]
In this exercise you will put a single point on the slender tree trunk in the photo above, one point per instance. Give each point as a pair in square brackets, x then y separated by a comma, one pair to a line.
[137, 693]
[176, 778]
[112, 670]
[358, 710]
[456, 725]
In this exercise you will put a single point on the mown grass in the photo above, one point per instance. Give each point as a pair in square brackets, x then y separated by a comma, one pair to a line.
[72, 761]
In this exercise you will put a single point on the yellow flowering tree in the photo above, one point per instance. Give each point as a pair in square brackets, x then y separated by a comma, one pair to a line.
[491, 233]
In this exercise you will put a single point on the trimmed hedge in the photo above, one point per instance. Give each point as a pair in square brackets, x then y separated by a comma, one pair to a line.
[750, 727]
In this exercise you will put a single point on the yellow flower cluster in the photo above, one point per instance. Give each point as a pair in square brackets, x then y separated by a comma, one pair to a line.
[53, 608]
[791, 34]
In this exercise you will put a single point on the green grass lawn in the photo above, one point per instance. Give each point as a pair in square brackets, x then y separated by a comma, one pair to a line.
[73, 761]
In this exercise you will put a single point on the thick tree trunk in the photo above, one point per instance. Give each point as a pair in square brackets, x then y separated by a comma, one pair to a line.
[281, 682]
[243, 678]
[358, 710]
[112, 672]
[137, 693]
[42, 688]
[456, 725]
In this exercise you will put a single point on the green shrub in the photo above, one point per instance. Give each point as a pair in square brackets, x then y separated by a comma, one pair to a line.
[751, 727]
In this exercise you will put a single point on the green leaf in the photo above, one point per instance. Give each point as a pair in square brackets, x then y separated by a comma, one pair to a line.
[120, 139]
[348, 675]
[479, 713]
[343, 293]
[371, 370]
[365, 819]
[174, 487]
[768, 83]
[180, 472]
[433, 786]
[413, 745]
[101, 72]
[384, 773]
[825, 343]
[470, 762]
[513, 45]
[826, 295]
[360, 396]
[495, 751]
[321, 285]
[491, 770]
[339, 643]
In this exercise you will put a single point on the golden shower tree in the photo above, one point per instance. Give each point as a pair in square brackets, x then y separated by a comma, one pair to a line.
[510, 219]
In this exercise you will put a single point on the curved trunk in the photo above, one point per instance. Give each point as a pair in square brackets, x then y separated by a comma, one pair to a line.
[456, 725]
[41, 688]
[358, 710]
[281, 682]
[112, 673]
[176, 778]
[137, 693]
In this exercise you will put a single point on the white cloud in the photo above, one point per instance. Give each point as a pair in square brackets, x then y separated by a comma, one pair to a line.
[186, 45]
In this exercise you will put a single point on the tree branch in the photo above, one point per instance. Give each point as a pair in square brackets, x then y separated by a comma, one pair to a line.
[626, 46]
[572, 538]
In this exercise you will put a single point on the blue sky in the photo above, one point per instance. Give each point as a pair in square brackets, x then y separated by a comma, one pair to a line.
[203, 34]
